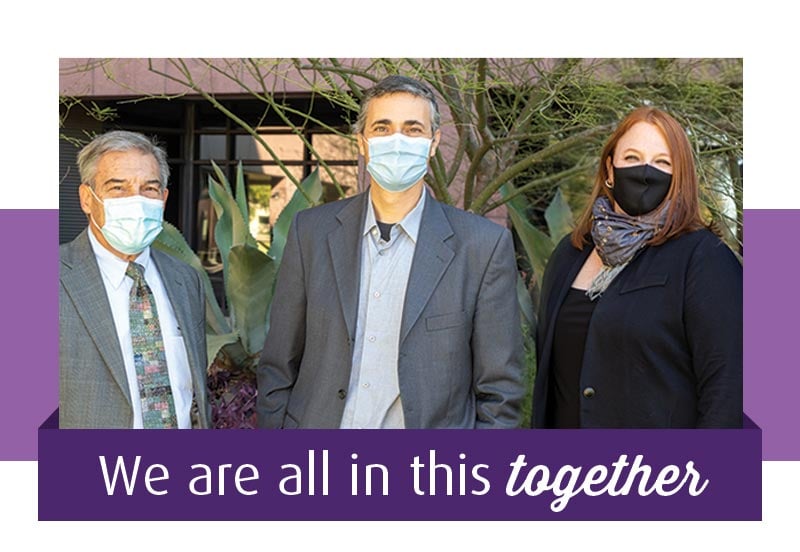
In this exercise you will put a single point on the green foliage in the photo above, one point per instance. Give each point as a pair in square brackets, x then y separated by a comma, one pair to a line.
[536, 244]
[310, 194]
[559, 218]
[527, 311]
[248, 286]
[537, 247]
[249, 273]
[529, 367]
[232, 213]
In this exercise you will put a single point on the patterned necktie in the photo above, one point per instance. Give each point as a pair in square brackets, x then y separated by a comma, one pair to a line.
[158, 406]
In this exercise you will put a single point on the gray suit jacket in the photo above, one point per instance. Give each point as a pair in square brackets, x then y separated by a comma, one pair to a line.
[94, 389]
[461, 356]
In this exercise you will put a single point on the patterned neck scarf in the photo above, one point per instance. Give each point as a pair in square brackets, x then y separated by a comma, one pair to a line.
[618, 237]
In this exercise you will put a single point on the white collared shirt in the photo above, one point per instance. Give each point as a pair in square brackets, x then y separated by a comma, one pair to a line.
[118, 287]
[373, 396]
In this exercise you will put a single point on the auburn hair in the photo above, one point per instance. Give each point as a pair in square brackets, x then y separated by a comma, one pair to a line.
[683, 213]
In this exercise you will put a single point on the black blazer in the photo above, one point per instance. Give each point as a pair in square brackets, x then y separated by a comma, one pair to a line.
[664, 345]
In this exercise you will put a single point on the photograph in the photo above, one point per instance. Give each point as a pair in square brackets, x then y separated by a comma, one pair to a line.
[401, 243]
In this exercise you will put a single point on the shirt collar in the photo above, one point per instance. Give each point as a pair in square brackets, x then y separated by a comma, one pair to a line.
[112, 267]
[409, 224]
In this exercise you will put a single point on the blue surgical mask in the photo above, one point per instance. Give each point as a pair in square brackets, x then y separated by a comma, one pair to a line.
[397, 162]
[131, 223]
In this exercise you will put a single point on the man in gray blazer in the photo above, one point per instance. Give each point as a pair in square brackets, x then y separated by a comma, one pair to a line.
[104, 381]
[392, 310]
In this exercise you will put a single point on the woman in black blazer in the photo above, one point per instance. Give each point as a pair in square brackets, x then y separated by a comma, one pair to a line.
[640, 322]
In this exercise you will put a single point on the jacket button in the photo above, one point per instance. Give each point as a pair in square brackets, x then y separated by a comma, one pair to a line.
[588, 392]
[342, 393]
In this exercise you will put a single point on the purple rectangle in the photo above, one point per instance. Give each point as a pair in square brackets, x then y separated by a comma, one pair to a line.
[771, 328]
[29, 338]
[72, 484]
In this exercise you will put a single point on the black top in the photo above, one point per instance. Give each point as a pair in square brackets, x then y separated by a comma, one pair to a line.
[572, 325]
[386, 230]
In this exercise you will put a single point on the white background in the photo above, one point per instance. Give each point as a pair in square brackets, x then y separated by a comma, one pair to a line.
[34, 37]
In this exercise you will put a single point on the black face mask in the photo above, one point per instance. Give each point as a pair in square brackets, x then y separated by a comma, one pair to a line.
[640, 189]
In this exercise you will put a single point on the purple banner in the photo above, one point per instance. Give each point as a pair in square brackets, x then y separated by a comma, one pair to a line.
[400, 475]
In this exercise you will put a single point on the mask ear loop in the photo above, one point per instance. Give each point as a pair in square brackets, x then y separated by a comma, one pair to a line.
[95, 195]
[100, 201]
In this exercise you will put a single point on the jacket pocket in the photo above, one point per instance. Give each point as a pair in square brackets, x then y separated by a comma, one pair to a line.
[444, 321]
[649, 280]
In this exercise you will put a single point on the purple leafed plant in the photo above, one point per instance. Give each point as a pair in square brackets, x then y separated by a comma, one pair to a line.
[232, 393]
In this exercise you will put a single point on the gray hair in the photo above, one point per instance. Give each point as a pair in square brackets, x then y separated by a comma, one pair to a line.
[392, 85]
[119, 140]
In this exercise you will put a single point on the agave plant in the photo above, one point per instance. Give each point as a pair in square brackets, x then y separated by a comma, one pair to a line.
[234, 342]
[537, 247]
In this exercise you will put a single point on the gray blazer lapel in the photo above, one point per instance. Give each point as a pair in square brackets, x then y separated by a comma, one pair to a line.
[432, 256]
[344, 244]
[175, 290]
[83, 282]
[179, 298]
